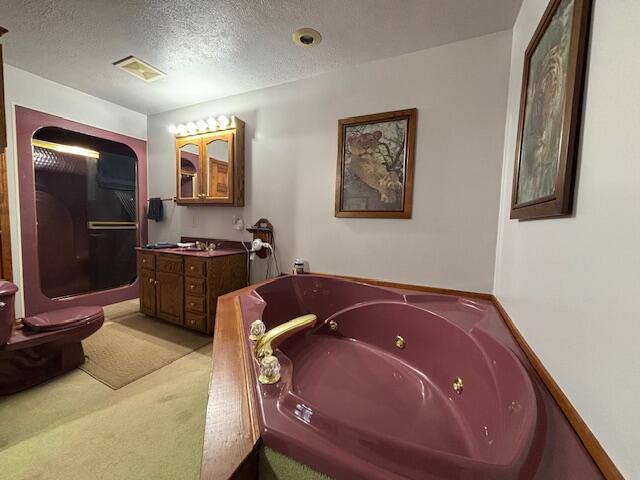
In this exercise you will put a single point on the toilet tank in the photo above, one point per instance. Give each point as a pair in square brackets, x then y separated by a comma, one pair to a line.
[7, 311]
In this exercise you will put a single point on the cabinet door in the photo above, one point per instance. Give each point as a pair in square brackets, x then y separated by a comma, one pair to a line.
[147, 291]
[218, 166]
[189, 169]
[170, 297]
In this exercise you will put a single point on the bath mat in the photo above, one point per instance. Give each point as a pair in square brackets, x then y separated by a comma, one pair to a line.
[131, 346]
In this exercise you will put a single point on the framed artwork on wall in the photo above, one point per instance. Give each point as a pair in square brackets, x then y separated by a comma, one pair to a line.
[374, 176]
[550, 112]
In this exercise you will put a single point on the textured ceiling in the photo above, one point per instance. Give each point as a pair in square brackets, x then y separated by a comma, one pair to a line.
[212, 49]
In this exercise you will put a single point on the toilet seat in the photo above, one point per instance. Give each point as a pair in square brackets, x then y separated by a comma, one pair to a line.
[62, 319]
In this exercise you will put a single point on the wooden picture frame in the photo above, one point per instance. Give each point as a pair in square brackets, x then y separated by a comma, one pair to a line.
[550, 112]
[374, 177]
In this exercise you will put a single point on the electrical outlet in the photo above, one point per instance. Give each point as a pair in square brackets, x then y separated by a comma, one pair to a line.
[238, 223]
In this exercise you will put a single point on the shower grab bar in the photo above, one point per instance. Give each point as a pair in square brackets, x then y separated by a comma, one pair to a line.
[168, 199]
[97, 225]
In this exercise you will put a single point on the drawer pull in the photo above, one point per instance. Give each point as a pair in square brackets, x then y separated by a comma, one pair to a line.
[192, 287]
[191, 304]
[192, 268]
[151, 280]
[192, 322]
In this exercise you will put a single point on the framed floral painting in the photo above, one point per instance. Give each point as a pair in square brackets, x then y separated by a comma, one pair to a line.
[550, 111]
[375, 165]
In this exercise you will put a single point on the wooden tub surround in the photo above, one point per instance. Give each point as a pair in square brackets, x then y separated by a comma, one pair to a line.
[232, 429]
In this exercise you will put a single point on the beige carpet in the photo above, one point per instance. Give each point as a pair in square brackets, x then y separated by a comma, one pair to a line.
[273, 465]
[76, 428]
[131, 345]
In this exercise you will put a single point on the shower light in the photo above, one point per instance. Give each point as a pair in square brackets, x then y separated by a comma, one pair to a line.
[182, 129]
[202, 125]
[192, 127]
[73, 150]
[173, 129]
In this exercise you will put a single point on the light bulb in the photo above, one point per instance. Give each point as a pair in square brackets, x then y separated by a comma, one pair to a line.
[173, 129]
[182, 129]
[202, 125]
[213, 124]
[223, 121]
[192, 127]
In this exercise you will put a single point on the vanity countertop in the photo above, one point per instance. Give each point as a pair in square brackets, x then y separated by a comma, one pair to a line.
[218, 252]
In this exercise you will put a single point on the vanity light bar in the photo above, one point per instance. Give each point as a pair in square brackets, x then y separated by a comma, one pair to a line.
[211, 124]
[58, 147]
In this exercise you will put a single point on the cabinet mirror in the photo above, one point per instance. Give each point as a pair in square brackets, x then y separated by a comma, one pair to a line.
[210, 167]
[218, 166]
[188, 170]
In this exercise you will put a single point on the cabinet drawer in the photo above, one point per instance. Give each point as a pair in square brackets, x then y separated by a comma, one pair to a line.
[146, 260]
[195, 286]
[196, 304]
[169, 263]
[196, 321]
[196, 267]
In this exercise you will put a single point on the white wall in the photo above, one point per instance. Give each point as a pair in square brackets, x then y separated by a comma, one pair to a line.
[572, 285]
[460, 92]
[28, 90]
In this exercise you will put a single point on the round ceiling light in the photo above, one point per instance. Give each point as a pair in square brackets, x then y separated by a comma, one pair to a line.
[306, 37]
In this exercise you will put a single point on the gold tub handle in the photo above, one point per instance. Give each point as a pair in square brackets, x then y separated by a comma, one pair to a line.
[274, 337]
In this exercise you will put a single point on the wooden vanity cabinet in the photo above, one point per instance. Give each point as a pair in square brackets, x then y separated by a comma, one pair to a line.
[184, 289]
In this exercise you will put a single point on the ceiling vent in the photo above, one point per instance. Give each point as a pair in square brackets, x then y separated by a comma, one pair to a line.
[140, 69]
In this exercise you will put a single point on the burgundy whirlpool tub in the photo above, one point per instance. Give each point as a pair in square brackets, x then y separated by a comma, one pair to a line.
[354, 405]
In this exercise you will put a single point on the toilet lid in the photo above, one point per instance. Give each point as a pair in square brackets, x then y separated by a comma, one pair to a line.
[63, 318]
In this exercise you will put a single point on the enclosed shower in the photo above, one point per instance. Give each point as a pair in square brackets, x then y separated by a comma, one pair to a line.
[83, 214]
[85, 211]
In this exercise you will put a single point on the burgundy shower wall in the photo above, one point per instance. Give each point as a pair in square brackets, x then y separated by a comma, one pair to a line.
[27, 122]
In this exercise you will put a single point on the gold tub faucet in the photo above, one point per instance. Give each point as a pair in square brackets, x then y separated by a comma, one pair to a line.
[274, 337]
